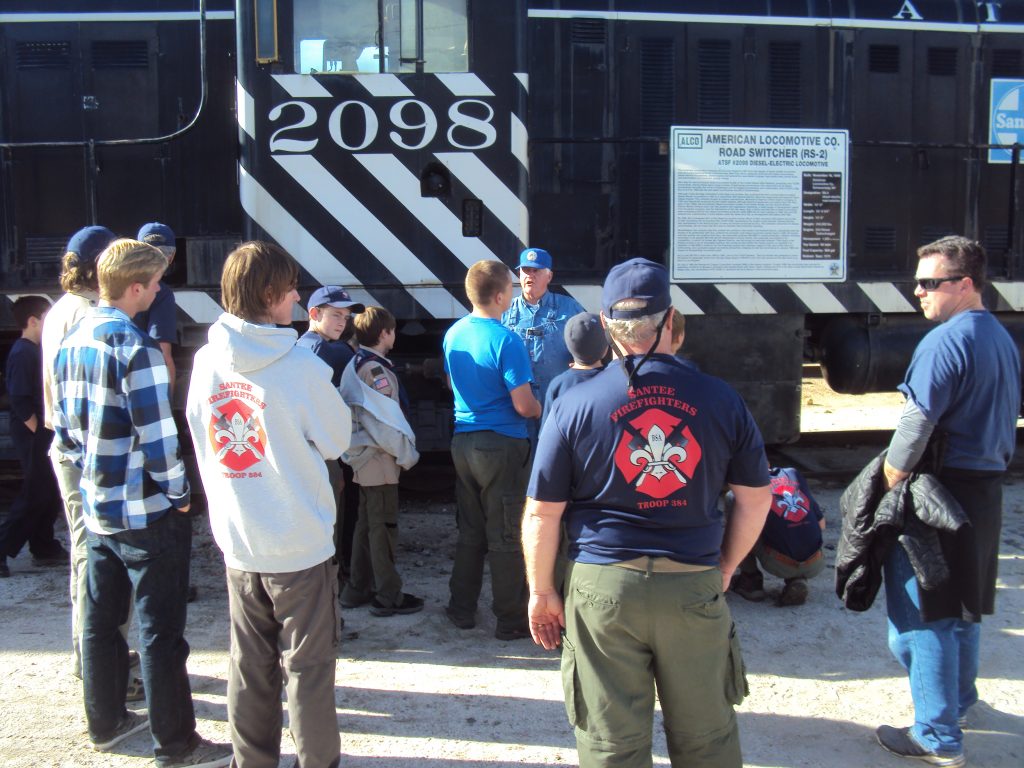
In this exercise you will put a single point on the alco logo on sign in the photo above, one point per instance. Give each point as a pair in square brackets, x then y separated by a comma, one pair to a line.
[1006, 120]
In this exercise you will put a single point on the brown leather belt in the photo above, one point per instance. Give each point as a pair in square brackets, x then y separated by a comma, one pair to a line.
[661, 565]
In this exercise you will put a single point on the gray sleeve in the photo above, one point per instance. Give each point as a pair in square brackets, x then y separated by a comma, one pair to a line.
[910, 438]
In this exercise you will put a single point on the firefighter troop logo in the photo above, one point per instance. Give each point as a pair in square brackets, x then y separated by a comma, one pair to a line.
[788, 502]
[657, 454]
[236, 433]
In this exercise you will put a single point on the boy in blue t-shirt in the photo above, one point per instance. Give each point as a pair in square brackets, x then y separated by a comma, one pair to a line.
[489, 373]
[33, 513]
[790, 543]
[586, 342]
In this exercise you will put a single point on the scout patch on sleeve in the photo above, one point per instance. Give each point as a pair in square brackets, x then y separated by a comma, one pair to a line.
[382, 385]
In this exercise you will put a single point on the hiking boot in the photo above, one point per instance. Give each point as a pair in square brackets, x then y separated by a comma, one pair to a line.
[408, 604]
[130, 724]
[749, 586]
[136, 691]
[205, 754]
[511, 633]
[460, 621]
[53, 559]
[794, 593]
[5, 572]
[900, 742]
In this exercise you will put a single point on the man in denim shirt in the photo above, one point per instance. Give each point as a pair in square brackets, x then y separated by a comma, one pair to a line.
[538, 317]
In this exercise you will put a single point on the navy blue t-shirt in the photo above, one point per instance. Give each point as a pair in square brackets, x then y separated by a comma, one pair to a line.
[24, 376]
[965, 378]
[642, 471]
[792, 526]
[335, 353]
[160, 321]
[562, 383]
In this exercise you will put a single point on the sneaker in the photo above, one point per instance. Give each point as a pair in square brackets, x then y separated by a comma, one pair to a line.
[352, 599]
[511, 633]
[130, 724]
[794, 593]
[408, 604]
[749, 586]
[5, 572]
[900, 742]
[460, 621]
[136, 690]
[205, 754]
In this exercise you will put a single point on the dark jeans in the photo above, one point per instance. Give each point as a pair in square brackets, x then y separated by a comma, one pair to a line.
[491, 472]
[35, 509]
[155, 561]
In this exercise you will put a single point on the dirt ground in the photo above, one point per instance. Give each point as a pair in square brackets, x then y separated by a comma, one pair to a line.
[413, 691]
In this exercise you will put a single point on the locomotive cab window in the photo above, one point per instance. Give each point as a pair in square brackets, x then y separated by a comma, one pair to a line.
[335, 36]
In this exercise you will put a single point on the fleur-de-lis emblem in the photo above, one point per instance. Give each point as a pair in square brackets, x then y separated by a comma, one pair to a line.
[238, 435]
[657, 455]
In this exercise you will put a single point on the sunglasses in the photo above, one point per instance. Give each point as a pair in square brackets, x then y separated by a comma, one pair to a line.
[932, 283]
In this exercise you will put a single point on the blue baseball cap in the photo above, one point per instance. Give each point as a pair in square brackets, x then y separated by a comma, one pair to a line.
[89, 242]
[537, 258]
[636, 279]
[157, 234]
[333, 296]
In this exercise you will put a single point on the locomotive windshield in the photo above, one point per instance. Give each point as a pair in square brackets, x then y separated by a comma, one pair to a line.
[343, 36]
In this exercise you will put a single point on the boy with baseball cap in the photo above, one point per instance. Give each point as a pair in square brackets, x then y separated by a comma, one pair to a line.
[586, 342]
[330, 310]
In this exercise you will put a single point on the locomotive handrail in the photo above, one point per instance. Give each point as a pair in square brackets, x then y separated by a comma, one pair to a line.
[90, 144]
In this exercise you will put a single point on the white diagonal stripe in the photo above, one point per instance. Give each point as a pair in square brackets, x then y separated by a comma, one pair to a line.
[292, 236]
[745, 298]
[360, 222]
[1013, 293]
[464, 84]
[438, 301]
[684, 303]
[430, 211]
[246, 110]
[301, 86]
[199, 306]
[520, 141]
[817, 297]
[587, 295]
[886, 297]
[497, 198]
[523, 78]
[382, 85]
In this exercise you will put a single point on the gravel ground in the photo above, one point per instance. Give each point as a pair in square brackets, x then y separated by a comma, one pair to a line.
[415, 691]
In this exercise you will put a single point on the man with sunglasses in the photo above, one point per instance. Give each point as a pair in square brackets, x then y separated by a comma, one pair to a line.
[963, 388]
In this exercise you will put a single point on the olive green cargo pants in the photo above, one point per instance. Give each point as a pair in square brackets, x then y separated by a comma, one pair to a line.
[628, 631]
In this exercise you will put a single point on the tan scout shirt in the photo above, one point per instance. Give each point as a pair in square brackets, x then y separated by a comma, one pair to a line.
[381, 468]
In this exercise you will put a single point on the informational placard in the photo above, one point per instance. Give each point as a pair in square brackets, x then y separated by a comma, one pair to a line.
[758, 204]
[1006, 118]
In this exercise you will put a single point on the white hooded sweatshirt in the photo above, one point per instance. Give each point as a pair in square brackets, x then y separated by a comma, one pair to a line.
[264, 416]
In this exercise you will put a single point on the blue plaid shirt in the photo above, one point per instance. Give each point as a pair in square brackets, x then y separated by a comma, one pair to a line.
[112, 417]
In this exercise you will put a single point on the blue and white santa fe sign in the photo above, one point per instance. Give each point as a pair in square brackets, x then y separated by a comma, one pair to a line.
[1006, 120]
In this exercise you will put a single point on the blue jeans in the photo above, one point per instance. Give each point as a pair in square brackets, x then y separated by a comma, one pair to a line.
[155, 561]
[941, 659]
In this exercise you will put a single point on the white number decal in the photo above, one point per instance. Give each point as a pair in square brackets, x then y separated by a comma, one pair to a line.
[370, 128]
[470, 123]
[428, 124]
[293, 145]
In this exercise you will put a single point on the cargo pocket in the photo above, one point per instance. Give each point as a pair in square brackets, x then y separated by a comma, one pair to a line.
[736, 688]
[569, 681]
[512, 508]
